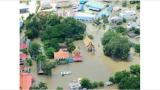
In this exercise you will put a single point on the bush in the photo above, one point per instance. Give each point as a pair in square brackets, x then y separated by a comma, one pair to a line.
[28, 62]
[85, 83]
[94, 84]
[59, 88]
[137, 48]
[24, 51]
[101, 84]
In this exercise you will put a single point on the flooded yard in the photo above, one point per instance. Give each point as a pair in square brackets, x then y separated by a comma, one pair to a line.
[95, 67]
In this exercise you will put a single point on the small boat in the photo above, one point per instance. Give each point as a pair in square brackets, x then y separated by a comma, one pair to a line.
[66, 73]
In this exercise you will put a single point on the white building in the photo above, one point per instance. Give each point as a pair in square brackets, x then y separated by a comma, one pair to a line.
[115, 20]
[128, 15]
[46, 4]
[132, 25]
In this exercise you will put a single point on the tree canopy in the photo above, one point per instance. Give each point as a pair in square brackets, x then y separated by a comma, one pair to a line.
[128, 79]
[115, 45]
[34, 50]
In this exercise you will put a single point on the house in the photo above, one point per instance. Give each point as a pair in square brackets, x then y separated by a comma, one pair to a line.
[24, 1]
[88, 43]
[23, 46]
[24, 8]
[22, 58]
[24, 69]
[25, 81]
[63, 3]
[76, 55]
[95, 6]
[63, 46]
[132, 25]
[115, 20]
[128, 15]
[61, 55]
[80, 7]
[46, 4]
[84, 16]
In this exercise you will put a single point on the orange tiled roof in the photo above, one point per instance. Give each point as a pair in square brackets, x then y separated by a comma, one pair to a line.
[61, 54]
[25, 81]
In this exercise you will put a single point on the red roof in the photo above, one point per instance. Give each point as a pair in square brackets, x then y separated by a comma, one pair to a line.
[23, 56]
[61, 54]
[25, 81]
[23, 46]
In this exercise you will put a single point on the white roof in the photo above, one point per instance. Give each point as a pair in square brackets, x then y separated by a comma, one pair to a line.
[84, 14]
[24, 6]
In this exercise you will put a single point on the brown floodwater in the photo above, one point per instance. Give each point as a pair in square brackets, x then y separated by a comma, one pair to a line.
[95, 67]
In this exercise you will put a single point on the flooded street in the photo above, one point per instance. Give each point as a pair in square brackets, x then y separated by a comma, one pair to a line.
[95, 67]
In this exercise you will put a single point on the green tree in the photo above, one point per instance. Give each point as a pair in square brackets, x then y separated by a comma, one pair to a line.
[71, 47]
[41, 57]
[85, 83]
[115, 45]
[49, 52]
[135, 69]
[137, 48]
[128, 79]
[130, 83]
[120, 75]
[34, 50]
[121, 30]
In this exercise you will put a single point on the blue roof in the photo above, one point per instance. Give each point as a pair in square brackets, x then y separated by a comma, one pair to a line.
[105, 12]
[96, 5]
[82, 1]
[80, 8]
[109, 8]
[84, 18]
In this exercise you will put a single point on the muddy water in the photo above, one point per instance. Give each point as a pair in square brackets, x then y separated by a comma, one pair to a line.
[95, 67]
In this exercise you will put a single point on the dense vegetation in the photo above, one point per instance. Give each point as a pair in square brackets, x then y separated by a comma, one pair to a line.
[128, 79]
[53, 29]
[40, 86]
[115, 45]
[86, 83]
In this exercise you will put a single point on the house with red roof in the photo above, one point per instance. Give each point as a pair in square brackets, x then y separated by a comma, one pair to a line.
[25, 81]
[61, 55]
[22, 58]
[76, 55]
[23, 46]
